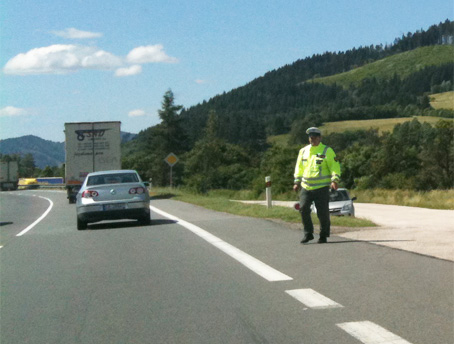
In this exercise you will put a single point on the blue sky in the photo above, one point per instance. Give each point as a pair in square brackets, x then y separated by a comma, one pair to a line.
[111, 60]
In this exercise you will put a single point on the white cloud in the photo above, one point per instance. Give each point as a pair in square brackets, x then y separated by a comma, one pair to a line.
[200, 81]
[127, 71]
[149, 54]
[136, 113]
[11, 111]
[73, 33]
[99, 59]
[68, 58]
[61, 59]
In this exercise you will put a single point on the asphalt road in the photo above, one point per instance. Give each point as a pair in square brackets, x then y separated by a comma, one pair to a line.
[419, 230]
[198, 276]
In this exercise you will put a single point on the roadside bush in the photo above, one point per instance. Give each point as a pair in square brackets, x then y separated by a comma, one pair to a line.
[279, 163]
[397, 181]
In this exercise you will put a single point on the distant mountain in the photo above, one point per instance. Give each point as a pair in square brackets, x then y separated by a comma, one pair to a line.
[126, 137]
[45, 152]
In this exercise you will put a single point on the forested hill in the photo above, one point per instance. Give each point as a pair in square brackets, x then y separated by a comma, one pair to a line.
[224, 142]
[44, 152]
[299, 94]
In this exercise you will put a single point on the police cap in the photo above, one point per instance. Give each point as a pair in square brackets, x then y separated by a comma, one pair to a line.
[313, 131]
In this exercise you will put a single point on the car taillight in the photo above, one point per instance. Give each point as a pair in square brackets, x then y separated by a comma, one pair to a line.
[139, 190]
[89, 194]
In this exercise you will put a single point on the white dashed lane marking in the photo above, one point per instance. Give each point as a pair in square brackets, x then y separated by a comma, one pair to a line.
[365, 331]
[369, 333]
[260, 268]
[312, 299]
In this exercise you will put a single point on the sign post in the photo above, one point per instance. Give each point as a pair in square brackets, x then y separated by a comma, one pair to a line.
[171, 160]
[268, 192]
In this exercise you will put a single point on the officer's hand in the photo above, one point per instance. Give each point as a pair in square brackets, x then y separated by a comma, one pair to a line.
[296, 187]
[334, 186]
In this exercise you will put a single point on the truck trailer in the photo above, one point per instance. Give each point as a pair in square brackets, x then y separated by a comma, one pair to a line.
[9, 175]
[90, 147]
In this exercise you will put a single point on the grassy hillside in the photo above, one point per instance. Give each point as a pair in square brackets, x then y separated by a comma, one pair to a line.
[402, 64]
[383, 125]
[442, 100]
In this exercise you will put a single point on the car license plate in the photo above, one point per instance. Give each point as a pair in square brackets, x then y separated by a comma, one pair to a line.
[118, 206]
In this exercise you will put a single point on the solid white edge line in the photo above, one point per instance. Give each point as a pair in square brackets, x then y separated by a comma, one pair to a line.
[371, 333]
[313, 299]
[39, 219]
[260, 268]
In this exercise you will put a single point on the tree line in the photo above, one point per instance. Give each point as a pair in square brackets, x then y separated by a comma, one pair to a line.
[414, 156]
[28, 168]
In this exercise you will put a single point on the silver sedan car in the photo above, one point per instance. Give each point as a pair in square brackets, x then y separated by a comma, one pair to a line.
[340, 203]
[112, 195]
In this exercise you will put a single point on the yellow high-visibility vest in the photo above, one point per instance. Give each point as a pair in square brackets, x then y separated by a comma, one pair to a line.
[316, 167]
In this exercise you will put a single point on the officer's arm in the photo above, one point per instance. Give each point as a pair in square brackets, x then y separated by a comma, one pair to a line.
[334, 168]
[298, 171]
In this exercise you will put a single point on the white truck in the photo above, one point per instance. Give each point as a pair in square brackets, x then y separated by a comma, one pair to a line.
[9, 175]
[90, 147]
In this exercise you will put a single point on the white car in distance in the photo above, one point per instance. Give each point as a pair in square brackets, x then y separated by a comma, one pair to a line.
[340, 203]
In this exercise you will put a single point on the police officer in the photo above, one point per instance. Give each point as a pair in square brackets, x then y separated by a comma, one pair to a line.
[316, 170]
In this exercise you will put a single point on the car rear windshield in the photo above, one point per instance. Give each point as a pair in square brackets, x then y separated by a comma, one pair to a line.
[115, 178]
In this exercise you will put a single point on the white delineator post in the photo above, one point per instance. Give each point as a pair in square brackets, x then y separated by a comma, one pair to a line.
[268, 191]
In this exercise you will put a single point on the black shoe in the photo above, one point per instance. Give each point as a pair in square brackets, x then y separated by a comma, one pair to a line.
[307, 238]
[322, 240]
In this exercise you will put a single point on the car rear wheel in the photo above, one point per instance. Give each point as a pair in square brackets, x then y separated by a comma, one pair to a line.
[81, 224]
[145, 220]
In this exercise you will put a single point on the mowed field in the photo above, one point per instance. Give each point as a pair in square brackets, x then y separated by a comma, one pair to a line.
[383, 125]
[442, 100]
[437, 101]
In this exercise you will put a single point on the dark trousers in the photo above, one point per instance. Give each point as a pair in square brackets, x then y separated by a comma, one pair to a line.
[321, 199]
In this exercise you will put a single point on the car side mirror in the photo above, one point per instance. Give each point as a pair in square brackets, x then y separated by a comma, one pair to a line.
[354, 199]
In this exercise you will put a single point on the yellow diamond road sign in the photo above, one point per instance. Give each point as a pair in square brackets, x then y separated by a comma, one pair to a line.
[171, 159]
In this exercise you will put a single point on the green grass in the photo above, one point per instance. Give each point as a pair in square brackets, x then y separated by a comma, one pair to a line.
[436, 199]
[442, 100]
[220, 200]
[402, 64]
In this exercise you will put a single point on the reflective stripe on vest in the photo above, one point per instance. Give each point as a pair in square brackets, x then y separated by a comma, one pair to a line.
[308, 181]
[320, 184]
